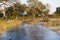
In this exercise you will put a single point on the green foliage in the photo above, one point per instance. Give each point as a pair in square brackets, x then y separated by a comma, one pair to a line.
[10, 13]
[37, 10]
[58, 10]
[1, 14]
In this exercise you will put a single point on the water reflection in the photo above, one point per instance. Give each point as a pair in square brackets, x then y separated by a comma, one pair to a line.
[30, 32]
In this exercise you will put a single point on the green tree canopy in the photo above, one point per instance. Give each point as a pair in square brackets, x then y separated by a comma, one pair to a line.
[58, 10]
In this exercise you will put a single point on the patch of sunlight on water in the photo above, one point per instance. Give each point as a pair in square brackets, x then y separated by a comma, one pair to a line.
[30, 32]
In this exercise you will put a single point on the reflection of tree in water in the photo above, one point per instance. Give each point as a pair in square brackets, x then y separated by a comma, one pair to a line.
[31, 32]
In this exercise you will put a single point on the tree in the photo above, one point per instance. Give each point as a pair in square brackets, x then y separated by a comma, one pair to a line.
[1, 15]
[39, 9]
[32, 2]
[10, 13]
[35, 1]
[20, 9]
[46, 12]
[56, 13]
[58, 10]
[4, 0]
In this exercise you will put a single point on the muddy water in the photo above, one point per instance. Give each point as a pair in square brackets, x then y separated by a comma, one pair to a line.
[30, 32]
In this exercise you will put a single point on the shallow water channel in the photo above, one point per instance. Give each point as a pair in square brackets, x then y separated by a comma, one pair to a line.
[30, 32]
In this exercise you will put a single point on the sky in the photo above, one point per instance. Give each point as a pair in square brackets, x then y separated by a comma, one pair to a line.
[53, 4]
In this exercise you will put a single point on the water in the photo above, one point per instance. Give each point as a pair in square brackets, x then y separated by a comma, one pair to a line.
[30, 32]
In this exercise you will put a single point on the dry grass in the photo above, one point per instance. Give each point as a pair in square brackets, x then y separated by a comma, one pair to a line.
[4, 25]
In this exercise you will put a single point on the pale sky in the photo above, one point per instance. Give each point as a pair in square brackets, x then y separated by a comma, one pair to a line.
[53, 4]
